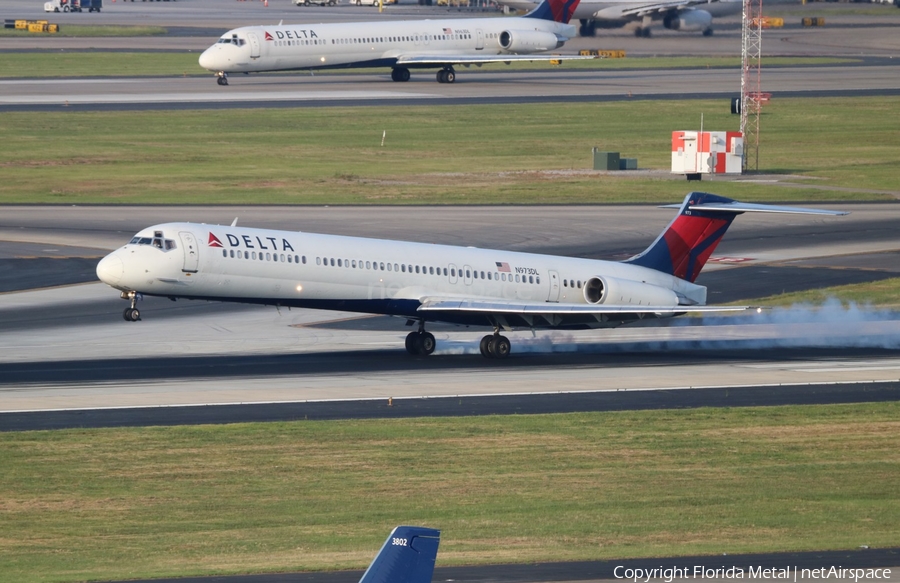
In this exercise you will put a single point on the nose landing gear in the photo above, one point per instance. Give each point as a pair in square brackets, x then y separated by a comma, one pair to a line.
[222, 78]
[131, 314]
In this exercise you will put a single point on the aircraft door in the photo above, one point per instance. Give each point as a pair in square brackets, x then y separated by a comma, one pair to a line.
[191, 252]
[479, 39]
[254, 45]
[554, 287]
[467, 275]
[453, 278]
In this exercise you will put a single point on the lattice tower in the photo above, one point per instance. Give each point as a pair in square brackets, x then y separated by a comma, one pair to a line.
[751, 52]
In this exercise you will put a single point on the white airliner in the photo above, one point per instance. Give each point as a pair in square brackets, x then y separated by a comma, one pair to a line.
[425, 282]
[400, 45]
[680, 15]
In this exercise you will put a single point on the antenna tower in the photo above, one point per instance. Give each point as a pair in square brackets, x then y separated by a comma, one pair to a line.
[751, 52]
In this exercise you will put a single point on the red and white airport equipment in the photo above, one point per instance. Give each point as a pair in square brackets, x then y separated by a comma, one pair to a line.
[697, 153]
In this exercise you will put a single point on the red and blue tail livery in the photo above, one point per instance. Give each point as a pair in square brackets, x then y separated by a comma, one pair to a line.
[690, 239]
[555, 10]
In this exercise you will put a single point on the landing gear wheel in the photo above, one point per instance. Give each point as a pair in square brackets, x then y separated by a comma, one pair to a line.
[222, 80]
[447, 75]
[485, 346]
[499, 346]
[426, 343]
[400, 74]
[494, 346]
[708, 32]
[411, 343]
[420, 343]
[131, 314]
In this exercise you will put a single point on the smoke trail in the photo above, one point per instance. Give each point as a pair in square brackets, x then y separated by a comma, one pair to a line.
[831, 325]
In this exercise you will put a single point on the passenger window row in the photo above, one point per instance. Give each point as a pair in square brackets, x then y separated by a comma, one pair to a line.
[424, 270]
[393, 39]
[571, 283]
[239, 254]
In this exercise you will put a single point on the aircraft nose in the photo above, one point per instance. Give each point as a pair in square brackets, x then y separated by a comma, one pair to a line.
[110, 269]
[208, 59]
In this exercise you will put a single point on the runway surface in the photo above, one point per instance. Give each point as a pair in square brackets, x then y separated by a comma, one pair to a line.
[473, 87]
[68, 348]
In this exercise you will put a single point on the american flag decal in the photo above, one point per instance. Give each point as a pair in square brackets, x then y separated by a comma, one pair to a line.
[504, 267]
[448, 31]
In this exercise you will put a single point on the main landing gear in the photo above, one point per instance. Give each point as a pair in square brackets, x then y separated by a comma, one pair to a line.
[222, 78]
[446, 75]
[495, 346]
[400, 74]
[131, 314]
[420, 343]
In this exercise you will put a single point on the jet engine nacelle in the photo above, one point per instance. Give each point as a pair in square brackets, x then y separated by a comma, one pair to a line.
[530, 40]
[688, 20]
[625, 292]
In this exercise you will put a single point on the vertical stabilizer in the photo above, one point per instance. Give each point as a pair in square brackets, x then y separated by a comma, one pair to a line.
[407, 556]
[555, 10]
[687, 243]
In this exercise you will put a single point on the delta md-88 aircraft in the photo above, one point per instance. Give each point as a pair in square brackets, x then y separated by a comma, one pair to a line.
[429, 283]
[400, 45]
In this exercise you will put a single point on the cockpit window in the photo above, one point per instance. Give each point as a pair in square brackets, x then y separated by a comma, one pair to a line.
[157, 241]
[231, 40]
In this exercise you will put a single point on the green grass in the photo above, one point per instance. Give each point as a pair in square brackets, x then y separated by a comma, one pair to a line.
[882, 294]
[468, 154]
[77, 30]
[99, 64]
[154, 502]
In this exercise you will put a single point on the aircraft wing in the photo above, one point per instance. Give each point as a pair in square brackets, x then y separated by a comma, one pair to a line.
[524, 313]
[483, 59]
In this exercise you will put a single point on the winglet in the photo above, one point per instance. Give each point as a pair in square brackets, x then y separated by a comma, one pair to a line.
[407, 556]
[555, 10]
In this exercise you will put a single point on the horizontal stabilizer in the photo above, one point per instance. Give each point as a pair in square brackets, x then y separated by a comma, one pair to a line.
[736, 207]
[407, 556]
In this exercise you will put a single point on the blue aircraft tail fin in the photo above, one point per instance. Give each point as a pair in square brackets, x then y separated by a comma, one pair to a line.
[407, 556]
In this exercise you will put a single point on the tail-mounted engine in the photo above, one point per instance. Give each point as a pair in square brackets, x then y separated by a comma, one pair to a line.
[624, 292]
[527, 41]
[688, 20]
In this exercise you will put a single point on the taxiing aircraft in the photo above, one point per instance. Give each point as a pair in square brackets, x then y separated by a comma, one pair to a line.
[680, 15]
[430, 283]
[400, 45]
[407, 556]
